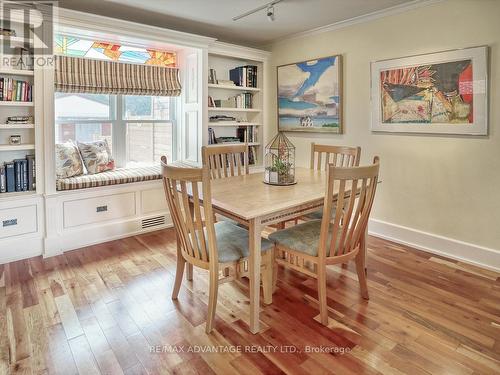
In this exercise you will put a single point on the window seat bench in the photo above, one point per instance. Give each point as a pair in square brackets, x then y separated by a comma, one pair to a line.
[116, 177]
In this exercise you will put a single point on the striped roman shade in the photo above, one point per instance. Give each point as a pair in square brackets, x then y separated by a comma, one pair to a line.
[76, 74]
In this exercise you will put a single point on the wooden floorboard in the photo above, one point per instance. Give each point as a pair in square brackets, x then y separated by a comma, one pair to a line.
[106, 309]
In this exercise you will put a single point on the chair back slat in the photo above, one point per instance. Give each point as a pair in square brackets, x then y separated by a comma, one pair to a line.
[226, 160]
[353, 189]
[192, 216]
[339, 156]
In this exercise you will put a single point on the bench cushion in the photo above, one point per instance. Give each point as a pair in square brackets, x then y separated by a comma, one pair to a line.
[115, 177]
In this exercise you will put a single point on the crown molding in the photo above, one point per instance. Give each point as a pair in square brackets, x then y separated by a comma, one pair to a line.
[234, 50]
[67, 19]
[397, 9]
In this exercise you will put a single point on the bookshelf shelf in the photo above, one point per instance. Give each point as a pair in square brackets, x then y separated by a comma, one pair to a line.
[13, 127]
[225, 109]
[17, 72]
[16, 104]
[230, 87]
[17, 147]
[233, 124]
[234, 143]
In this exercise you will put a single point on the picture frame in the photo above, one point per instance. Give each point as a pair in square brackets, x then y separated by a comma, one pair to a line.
[310, 96]
[437, 93]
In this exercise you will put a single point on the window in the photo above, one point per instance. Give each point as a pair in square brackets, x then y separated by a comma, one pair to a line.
[138, 129]
[95, 49]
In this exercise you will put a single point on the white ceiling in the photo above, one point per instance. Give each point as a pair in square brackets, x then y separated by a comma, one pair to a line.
[214, 17]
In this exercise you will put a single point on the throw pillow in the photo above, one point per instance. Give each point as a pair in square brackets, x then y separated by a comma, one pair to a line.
[96, 156]
[68, 160]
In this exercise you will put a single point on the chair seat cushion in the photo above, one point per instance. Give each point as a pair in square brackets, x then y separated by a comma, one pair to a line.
[302, 237]
[232, 242]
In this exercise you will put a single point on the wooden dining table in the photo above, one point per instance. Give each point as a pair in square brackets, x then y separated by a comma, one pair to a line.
[251, 202]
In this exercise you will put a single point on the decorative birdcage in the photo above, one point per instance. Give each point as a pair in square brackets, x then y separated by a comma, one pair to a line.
[280, 161]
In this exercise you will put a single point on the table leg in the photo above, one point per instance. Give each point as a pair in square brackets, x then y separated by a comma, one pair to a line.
[363, 248]
[254, 239]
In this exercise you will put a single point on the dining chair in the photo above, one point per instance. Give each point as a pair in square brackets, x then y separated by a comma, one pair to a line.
[339, 236]
[226, 160]
[339, 156]
[201, 242]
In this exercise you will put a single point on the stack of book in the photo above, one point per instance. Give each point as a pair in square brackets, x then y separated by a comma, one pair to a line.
[225, 82]
[12, 90]
[211, 136]
[243, 100]
[212, 76]
[19, 120]
[211, 102]
[227, 140]
[18, 175]
[245, 76]
[220, 118]
[247, 134]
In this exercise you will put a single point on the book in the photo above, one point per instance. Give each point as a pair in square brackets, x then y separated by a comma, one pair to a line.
[10, 177]
[3, 182]
[245, 76]
[18, 174]
[212, 76]
[15, 90]
[211, 102]
[211, 136]
[228, 140]
[24, 176]
[225, 82]
[31, 172]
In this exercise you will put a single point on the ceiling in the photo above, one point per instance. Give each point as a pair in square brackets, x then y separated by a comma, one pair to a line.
[214, 17]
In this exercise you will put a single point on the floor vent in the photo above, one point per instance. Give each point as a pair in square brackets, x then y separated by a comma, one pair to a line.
[153, 222]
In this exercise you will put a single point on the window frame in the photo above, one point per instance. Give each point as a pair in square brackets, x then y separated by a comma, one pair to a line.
[119, 127]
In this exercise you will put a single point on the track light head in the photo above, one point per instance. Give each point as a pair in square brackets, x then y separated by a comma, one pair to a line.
[270, 13]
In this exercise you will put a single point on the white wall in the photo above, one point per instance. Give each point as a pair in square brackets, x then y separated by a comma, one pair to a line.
[443, 185]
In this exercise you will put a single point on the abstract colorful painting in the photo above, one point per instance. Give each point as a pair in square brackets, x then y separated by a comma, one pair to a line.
[432, 92]
[71, 46]
[309, 96]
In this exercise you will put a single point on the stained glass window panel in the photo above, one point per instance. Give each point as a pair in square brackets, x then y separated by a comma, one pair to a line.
[71, 46]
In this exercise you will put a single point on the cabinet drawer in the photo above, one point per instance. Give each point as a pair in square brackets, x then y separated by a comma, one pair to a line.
[17, 221]
[99, 209]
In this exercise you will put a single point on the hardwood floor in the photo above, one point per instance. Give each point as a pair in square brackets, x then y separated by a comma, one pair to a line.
[107, 309]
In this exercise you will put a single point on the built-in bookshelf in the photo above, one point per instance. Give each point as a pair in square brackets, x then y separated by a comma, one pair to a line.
[235, 103]
[17, 122]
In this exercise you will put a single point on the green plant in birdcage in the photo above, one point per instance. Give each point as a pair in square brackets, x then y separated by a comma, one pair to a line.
[280, 161]
[279, 166]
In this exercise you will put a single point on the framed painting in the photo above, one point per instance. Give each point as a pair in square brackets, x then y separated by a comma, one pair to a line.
[310, 96]
[441, 93]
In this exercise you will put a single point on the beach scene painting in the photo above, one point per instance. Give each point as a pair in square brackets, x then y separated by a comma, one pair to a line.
[309, 96]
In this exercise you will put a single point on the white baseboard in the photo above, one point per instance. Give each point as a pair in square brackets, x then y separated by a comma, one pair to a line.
[96, 234]
[462, 251]
[19, 248]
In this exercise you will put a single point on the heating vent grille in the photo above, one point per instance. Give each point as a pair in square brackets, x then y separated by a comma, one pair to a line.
[153, 222]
